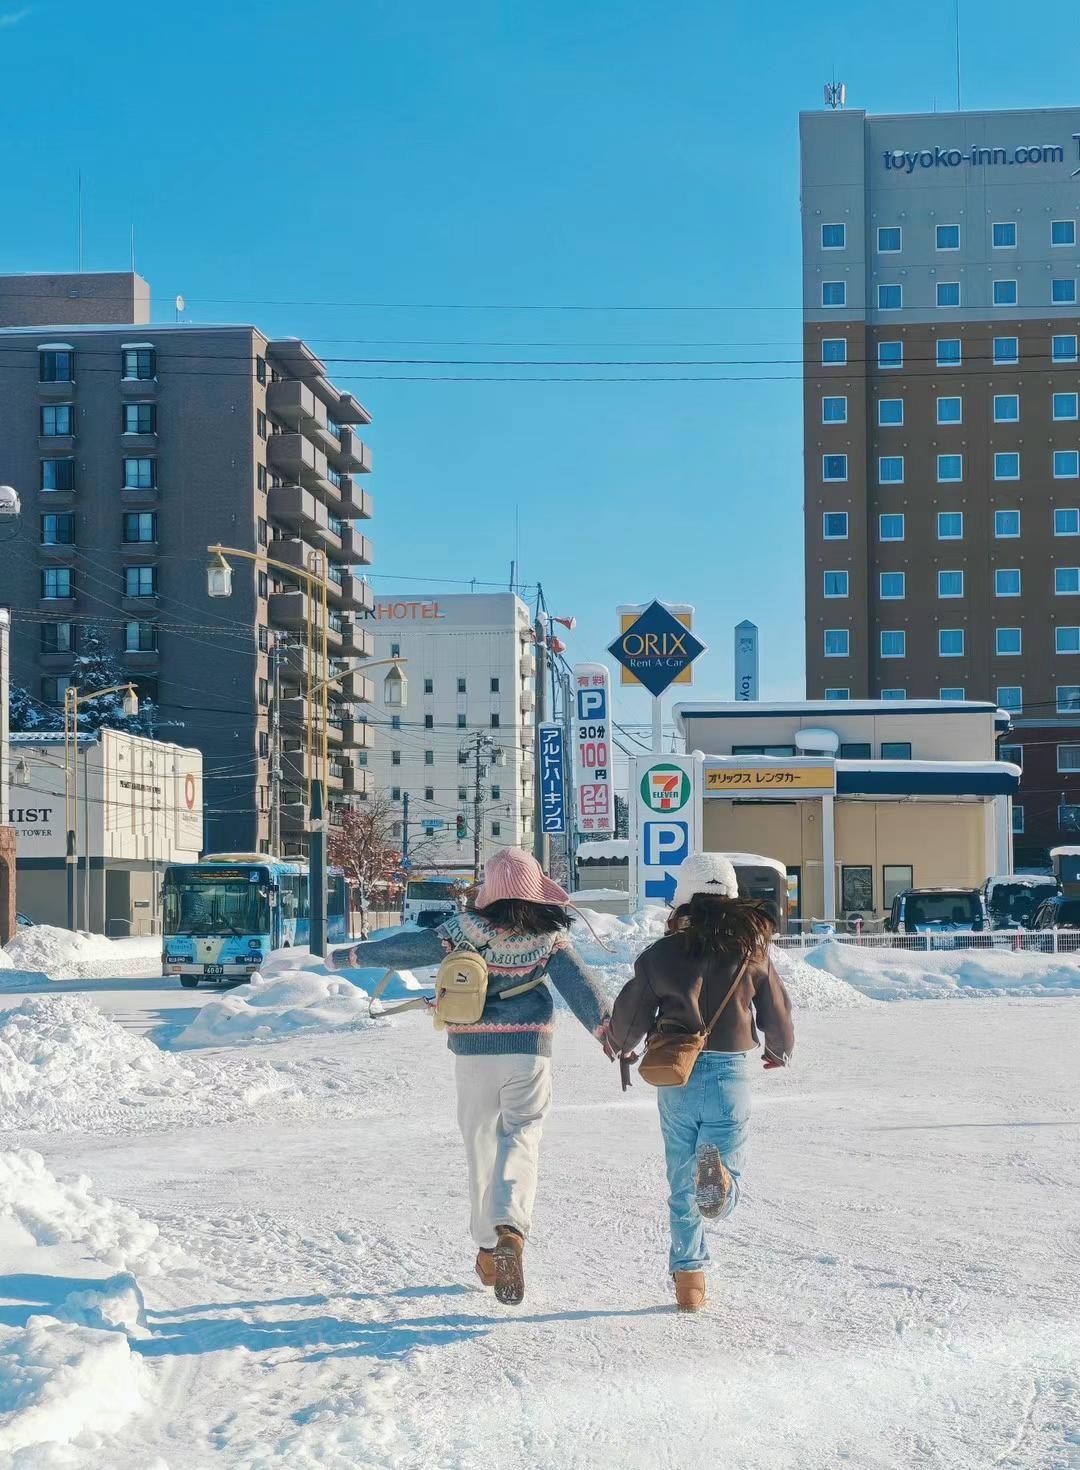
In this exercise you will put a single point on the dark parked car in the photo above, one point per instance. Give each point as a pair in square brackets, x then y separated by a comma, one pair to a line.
[1014, 899]
[938, 911]
[1063, 915]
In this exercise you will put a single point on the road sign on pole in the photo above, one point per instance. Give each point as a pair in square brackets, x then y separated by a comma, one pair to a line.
[666, 801]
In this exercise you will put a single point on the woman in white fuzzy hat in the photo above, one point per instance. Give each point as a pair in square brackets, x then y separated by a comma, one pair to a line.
[712, 966]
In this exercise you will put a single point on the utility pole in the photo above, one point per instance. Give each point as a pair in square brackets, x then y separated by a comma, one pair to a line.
[275, 751]
[477, 812]
[405, 831]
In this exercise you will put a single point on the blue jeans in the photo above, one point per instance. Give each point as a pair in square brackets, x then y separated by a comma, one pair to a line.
[713, 1107]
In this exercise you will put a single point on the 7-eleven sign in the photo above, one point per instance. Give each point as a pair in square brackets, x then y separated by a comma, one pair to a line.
[665, 788]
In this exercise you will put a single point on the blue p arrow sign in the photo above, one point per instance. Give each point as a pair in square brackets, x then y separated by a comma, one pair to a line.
[662, 888]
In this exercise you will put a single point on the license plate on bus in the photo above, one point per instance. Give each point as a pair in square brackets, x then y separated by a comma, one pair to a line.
[213, 969]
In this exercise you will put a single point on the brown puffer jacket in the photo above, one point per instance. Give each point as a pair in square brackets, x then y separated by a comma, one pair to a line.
[687, 990]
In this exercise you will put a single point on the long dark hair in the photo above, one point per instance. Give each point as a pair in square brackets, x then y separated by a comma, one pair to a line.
[709, 925]
[524, 917]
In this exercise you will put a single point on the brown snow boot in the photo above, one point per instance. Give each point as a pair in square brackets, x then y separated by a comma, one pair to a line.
[509, 1274]
[714, 1183]
[485, 1267]
[690, 1290]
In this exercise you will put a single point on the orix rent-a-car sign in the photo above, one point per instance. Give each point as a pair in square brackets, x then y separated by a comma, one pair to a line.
[656, 647]
[594, 797]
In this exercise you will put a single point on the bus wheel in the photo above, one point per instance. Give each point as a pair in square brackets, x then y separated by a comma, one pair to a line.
[189, 982]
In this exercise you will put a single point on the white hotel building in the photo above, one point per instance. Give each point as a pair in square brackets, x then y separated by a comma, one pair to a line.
[470, 666]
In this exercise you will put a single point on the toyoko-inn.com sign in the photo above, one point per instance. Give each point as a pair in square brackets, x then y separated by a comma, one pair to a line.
[594, 796]
[906, 161]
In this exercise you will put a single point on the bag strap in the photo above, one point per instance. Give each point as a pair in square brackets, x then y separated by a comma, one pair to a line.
[723, 1004]
[405, 1005]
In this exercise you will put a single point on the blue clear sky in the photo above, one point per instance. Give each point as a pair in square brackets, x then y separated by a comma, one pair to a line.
[564, 153]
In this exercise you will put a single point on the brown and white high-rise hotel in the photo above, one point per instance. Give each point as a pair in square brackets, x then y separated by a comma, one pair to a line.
[941, 324]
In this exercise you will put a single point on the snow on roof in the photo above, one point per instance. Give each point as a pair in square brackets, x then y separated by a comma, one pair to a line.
[913, 765]
[617, 848]
[1065, 852]
[835, 707]
[1022, 880]
[754, 860]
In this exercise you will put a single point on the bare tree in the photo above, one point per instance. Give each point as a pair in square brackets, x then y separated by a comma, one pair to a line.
[367, 851]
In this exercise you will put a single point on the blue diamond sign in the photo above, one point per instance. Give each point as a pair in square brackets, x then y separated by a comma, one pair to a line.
[656, 648]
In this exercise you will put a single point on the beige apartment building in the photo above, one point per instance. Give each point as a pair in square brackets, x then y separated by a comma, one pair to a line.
[942, 426]
[136, 444]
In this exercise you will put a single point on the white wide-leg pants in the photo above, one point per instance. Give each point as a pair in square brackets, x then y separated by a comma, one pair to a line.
[502, 1103]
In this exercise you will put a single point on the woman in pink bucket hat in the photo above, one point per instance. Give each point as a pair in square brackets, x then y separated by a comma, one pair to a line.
[502, 1063]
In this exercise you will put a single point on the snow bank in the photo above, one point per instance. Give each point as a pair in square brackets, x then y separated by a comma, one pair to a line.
[71, 1372]
[61, 954]
[900, 974]
[280, 1005]
[64, 1064]
[814, 989]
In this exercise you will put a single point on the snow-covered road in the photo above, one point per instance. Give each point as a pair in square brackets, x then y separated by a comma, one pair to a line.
[899, 1288]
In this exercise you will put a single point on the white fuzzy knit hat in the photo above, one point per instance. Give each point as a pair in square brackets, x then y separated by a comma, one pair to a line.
[705, 872]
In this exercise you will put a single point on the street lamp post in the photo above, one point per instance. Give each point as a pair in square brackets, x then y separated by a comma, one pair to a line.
[72, 701]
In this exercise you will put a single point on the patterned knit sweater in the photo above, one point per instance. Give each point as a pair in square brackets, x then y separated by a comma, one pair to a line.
[524, 1023]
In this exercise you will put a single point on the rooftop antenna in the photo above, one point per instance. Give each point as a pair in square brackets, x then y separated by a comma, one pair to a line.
[835, 95]
[80, 217]
[133, 248]
[956, 13]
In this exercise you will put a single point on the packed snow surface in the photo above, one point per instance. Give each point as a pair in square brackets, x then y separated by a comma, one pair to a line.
[64, 954]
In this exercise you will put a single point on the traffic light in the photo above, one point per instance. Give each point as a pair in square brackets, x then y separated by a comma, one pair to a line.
[461, 833]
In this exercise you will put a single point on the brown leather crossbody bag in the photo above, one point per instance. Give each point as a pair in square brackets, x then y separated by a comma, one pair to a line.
[671, 1052]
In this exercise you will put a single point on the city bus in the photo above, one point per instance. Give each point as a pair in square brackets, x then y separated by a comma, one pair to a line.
[429, 900]
[222, 916]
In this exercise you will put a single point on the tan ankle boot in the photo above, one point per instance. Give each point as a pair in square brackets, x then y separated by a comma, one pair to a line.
[690, 1290]
[509, 1271]
[485, 1267]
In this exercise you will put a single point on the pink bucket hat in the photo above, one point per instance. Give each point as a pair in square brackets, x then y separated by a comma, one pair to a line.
[513, 873]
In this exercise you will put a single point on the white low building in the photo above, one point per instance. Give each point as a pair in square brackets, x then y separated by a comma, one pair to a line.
[470, 667]
[139, 807]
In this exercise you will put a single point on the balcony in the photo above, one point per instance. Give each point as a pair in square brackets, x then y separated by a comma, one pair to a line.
[356, 734]
[355, 687]
[355, 639]
[297, 460]
[354, 781]
[354, 454]
[294, 403]
[357, 504]
[356, 549]
[356, 594]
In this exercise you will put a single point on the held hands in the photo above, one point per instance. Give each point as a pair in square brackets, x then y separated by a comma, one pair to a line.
[771, 1060]
[611, 1051]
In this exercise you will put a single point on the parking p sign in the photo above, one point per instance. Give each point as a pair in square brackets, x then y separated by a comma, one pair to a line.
[593, 792]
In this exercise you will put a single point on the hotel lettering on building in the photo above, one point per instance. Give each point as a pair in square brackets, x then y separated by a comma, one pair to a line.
[941, 276]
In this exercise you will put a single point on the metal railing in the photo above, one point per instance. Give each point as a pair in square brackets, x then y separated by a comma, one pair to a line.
[1021, 941]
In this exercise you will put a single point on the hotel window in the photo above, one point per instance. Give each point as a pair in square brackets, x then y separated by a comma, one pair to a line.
[260, 369]
[137, 364]
[834, 525]
[890, 354]
[262, 582]
[950, 584]
[950, 525]
[395, 757]
[834, 350]
[890, 239]
[890, 469]
[838, 694]
[1069, 818]
[893, 643]
[1062, 232]
[950, 642]
[462, 686]
[856, 750]
[1066, 464]
[1067, 640]
[139, 418]
[140, 581]
[495, 685]
[140, 527]
[1006, 350]
[836, 584]
[496, 721]
[950, 693]
[1067, 522]
[1065, 405]
[837, 642]
[1063, 349]
[462, 721]
[1006, 408]
[1066, 581]
[891, 527]
[949, 353]
[1006, 524]
[1008, 642]
[57, 420]
[429, 793]
[948, 293]
[1007, 466]
[57, 582]
[262, 425]
[1010, 697]
[56, 365]
[496, 829]
[950, 410]
[895, 694]
[890, 297]
[950, 467]
[890, 412]
[833, 293]
[895, 750]
[59, 637]
[58, 474]
[429, 722]
[1063, 291]
[947, 237]
[1068, 757]
[1018, 819]
[58, 530]
[1005, 235]
[264, 639]
[429, 684]
[53, 687]
[140, 474]
[892, 586]
[834, 466]
[1007, 582]
[429, 757]
[1068, 699]
[263, 531]
[834, 410]
[833, 237]
[1004, 293]
[264, 692]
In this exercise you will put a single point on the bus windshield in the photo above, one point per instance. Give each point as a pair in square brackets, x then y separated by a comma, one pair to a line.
[427, 888]
[207, 903]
